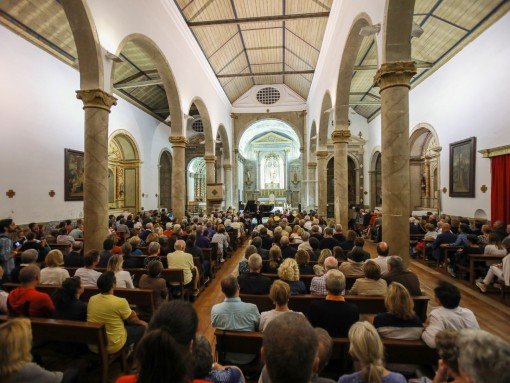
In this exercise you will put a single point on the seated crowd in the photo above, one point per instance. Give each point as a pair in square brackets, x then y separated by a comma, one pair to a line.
[287, 251]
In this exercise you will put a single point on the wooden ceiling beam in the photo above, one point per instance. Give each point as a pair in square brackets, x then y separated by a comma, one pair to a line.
[244, 20]
[281, 73]
[138, 84]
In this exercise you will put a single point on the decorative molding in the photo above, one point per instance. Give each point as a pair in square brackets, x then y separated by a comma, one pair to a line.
[340, 136]
[178, 141]
[398, 73]
[227, 166]
[494, 152]
[210, 158]
[96, 98]
[321, 154]
[312, 165]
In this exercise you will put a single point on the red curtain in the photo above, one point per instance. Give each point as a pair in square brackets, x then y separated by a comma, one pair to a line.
[500, 190]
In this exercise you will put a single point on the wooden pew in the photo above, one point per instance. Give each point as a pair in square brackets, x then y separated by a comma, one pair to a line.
[141, 298]
[307, 279]
[396, 351]
[52, 330]
[366, 304]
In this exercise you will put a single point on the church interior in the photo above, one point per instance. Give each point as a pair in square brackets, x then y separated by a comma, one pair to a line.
[186, 155]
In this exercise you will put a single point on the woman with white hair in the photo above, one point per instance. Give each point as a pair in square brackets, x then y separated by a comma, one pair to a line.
[289, 272]
[367, 349]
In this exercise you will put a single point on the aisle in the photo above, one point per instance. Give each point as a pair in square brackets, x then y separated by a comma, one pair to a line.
[212, 295]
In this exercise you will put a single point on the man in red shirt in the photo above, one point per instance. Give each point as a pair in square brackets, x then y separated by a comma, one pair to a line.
[26, 300]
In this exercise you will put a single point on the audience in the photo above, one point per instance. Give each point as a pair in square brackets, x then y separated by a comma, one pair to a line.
[383, 250]
[242, 267]
[74, 258]
[28, 257]
[317, 269]
[367, 349]
[106, 253]
[289, 349]
[354, 265]
[288, 251]
[302, 258]
[184, 261]
[372, 283]
[16, 364]
[328, 242]
[333, 314]
[67, 301]
[153, 281]
[448, 315]
[275, 260]
[318, 284]
[398, 273]
[253, 282]
[358, 247]
[279, 294]
[499, 271]
[53, 274]
[400, 320]
[153, 253]
[494, 246]
[87, 273]
[289, 273]
[122, 277]
[26, 300]
[105, 308]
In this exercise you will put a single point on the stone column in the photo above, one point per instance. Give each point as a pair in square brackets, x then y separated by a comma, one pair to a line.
[235, 172]
[96, 104]
[302, 184]
[178, 175]
[228, 184]
[340, 140]
[393, 79]
[322, 182]
[312, 186]
[210, 174]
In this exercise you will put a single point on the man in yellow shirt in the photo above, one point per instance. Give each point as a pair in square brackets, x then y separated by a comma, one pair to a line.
[181, 260]
[105, 308]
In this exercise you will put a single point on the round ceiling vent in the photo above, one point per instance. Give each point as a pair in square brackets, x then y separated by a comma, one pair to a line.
[268, 95]
[198, 126]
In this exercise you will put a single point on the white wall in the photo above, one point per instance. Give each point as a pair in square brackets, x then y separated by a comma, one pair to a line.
[468, 96]
[40, 117]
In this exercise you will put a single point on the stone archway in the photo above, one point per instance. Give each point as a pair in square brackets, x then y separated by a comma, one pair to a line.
[165, 180]
[424, 168]
[124, 166]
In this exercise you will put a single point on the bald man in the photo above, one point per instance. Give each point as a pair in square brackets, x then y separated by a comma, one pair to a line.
[181, 260]
[318, 284]
[383, 250]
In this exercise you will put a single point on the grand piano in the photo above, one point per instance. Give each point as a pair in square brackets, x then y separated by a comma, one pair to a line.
[258, 210]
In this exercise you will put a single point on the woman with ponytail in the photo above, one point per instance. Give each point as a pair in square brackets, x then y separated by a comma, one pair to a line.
[367, 350]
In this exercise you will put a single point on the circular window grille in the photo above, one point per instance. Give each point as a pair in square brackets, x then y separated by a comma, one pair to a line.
[268, 95]
[198, 126]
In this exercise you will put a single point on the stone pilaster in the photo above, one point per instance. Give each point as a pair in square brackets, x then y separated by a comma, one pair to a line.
[312, 184]
[210, 173]
[340, 140]
[235, 175]
[322, 182]
[393, 79]
[178, 175]
[96, 104]
[228, 185]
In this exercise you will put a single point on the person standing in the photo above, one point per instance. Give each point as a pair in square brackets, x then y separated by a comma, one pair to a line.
[7, 226]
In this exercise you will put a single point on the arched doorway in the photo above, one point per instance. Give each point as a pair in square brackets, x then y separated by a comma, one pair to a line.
[424, 168]
[123, 173]
[165, 180]
[375, 181]
[196, 185]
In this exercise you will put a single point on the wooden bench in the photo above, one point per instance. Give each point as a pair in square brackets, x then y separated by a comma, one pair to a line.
[477, 258]
[52, 330]
[141, 298]
[396, 351]
[366, 304]
[307, 279]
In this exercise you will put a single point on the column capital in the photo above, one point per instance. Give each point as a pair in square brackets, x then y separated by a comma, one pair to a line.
[312, 165]
[210, 158]
[96, 98]
[227, 166]
[398, 73]
[321, 154]
[340, 136]
[178, 141]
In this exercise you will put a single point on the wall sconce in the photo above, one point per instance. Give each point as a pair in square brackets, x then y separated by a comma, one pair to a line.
[10, 193]
[445, 190]
[52, 193]
[484, 188]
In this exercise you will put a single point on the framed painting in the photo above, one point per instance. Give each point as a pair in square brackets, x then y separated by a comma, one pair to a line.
[73, 178]
[462, 168]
